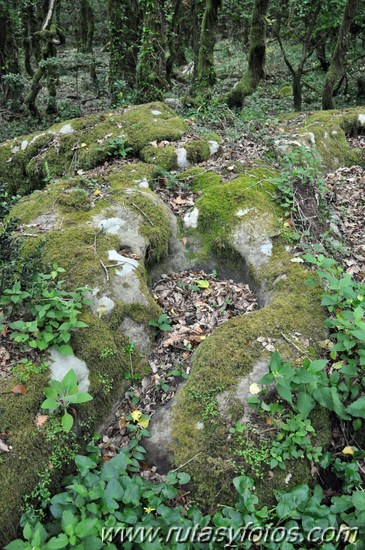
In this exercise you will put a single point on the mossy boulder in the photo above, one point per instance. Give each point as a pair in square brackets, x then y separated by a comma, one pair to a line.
[171, 157]
[29, 162]
[238, 219]
[104, 241]
[327, 131]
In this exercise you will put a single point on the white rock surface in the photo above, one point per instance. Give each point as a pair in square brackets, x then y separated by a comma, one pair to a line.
[213, 147]
[60, 365]
[182, 157]
[67, 129]
[127, 265]
[191, 218]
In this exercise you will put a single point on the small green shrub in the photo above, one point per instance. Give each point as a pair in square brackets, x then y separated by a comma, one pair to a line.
[61, 394]
[161, 324]
[45, 313]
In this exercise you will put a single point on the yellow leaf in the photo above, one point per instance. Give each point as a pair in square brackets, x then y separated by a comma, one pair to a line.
[97, 192]
[202, 284]
[136, 415]
[254, 389]
[83, 145]
[143, 422]
[348, 450]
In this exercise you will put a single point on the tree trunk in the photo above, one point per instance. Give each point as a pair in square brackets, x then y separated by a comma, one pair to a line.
[176, 38]
[86, 35]
[205, 74]
[297, 90]
[151, 66]
[256, 56]
[197, 13]
[125, 31]
[9, 62]
[49, 35]
[321, 53]
[338, 59]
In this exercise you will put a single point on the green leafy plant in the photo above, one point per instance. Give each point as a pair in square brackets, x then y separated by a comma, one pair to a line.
[161, 324]
[299, 166]
[26, 368]
[253, 451]
[294, 441]
[45, 313]
[60, 395]
[116, 147]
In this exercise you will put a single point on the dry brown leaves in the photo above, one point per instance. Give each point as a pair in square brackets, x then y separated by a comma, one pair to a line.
[194, 312]
[346, 194]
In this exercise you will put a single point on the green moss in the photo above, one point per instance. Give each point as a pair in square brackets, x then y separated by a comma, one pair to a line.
[197, 150]
[220, 202]
[198, 178]
[142, 126]
[229, 354]
[161, 156]
[76, 199]
[330, 129]
[27, 162]
[130, 175]
[154, 226]
[285, 91]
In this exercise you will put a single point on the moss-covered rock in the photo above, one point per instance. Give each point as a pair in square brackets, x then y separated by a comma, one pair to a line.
[105, 243]
[327, 131]
[29, 162]
[161, 156]
[240, 217]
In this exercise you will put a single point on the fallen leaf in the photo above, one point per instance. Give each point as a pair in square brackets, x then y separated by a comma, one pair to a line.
[83, 145]
[348, 450]
[40, 420]
[97, 192]
[19, 389]
[184, 240]
[136, 415]
[143, 422]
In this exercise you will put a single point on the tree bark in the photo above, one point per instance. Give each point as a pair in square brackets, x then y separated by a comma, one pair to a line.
[125, 32]
[151, 66]
[256, 56]
[49, 35]
[205, 74]
[338, 59]
[177, 37]
[9, 62]
[86, 35]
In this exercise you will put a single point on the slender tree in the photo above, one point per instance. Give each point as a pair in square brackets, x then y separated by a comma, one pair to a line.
[307, 50]
[338, 59]
[9, 60]
[86, 34]
[151, 66]
[177, 36]
[125, 18]
[205, 74]
[50, 36]
[256, 56]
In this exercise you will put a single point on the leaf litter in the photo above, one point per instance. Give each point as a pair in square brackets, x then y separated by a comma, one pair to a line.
[195, 303]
